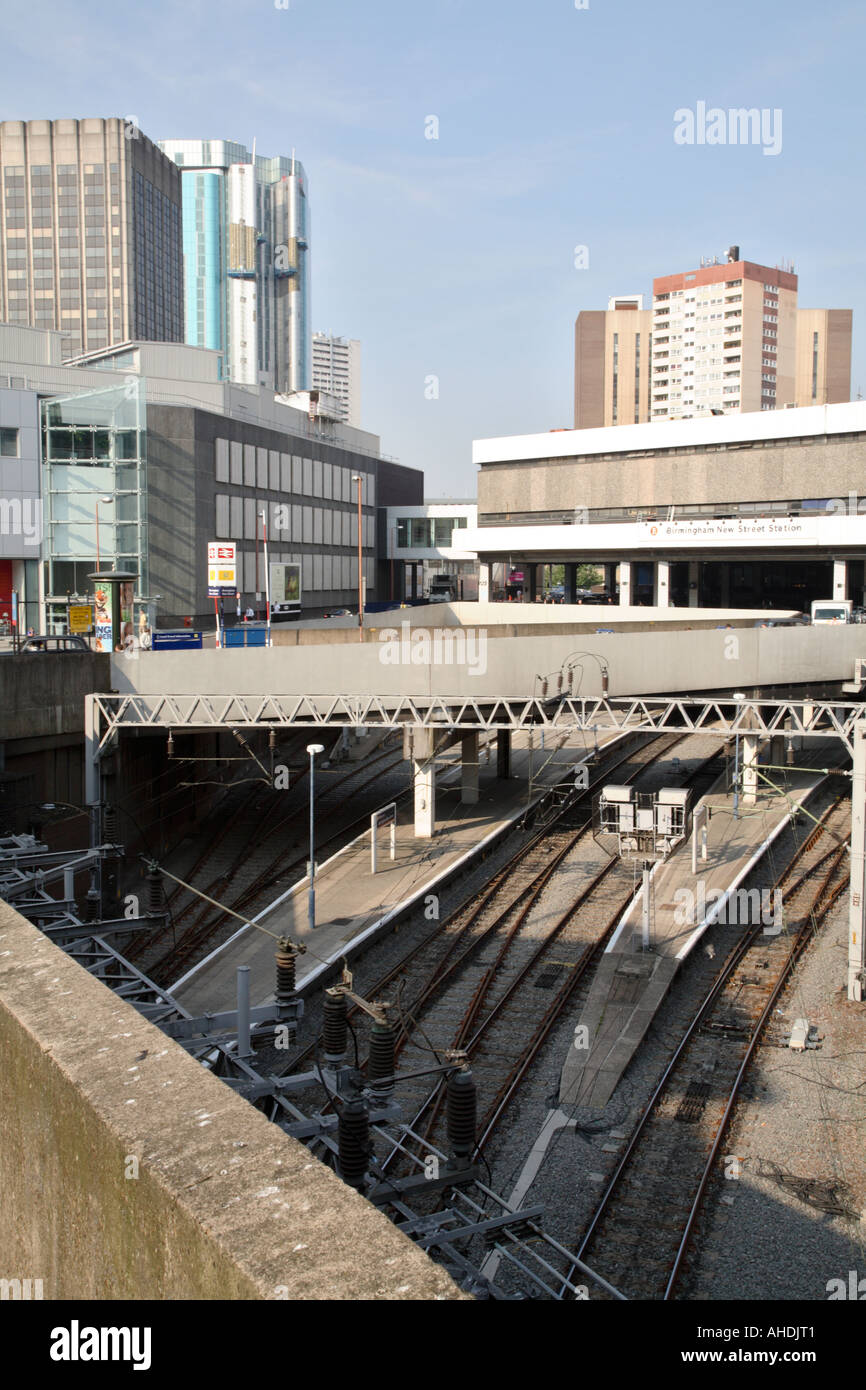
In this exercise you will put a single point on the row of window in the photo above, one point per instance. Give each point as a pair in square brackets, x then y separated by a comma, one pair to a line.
[427, 532]
[246, 465]
[239, 518]
[319, 573]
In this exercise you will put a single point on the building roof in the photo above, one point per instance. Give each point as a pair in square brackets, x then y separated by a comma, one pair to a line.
[848, 417]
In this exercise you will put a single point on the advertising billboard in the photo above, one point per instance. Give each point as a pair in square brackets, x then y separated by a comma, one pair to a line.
[285, 588]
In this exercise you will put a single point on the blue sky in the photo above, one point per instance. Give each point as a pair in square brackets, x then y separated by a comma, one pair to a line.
[454, 257]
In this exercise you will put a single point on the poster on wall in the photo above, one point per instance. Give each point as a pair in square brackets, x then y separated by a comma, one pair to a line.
[102, 627]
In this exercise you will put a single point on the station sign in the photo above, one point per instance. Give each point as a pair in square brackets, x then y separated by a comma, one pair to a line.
[222, 569]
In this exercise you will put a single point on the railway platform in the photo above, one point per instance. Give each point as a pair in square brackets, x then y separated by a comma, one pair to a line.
[353, 904]
[631, 981]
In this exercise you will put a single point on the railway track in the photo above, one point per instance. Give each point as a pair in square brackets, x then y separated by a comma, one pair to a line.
[640, 1233]
[427, 966]
[252, 867]
[503, 999]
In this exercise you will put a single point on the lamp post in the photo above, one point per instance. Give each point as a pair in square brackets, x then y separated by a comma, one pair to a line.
[105, 501]
[738, 695]
[264, 517]
[312, 749]
[356, 478]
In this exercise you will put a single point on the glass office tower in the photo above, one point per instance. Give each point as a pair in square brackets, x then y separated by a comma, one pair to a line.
[246, 260]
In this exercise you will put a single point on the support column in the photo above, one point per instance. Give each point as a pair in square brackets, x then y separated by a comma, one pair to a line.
[530, 583]
[840, 580]
[662, 584]
[725, 585]
[750, 769]
[503, 752]
[609, 572]
[694, 583]
[571, 583]
[483, 583]
[469, 768]
[625, 583]
[857, 889]
[424, 782]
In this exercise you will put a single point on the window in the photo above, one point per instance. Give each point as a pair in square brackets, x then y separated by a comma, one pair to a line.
[8, 443]
[222, 462]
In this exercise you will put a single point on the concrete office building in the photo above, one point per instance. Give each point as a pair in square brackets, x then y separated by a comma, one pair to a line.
[726, 338]
[90, 233]
[147, 453]
[612, 364]
[246, 260]
[337, 370]
[744, 511]
[20, 506]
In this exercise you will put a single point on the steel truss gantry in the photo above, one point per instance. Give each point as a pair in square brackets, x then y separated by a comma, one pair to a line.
[109, 714]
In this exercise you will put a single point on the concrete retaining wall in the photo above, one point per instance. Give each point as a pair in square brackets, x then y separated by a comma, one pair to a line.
[43, 695]
[224, 1205]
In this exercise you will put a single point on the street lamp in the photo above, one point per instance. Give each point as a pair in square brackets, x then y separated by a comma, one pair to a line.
[312, 749]
[264, 516]
[356, 478]
[106, 501]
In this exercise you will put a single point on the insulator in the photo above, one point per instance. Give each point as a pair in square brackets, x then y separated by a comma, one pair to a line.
[544, 688]
[461, 1099]
[91, 906]
[272, 740]
[109, 825]
[154, 893]
[286, 976]
[170, 746]
[353, 1137]
[383, 1037]
[334, 1026]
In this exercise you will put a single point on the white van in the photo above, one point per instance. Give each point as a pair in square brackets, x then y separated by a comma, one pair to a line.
[826, 610]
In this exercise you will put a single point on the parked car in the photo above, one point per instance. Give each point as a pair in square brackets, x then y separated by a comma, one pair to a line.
[50, 643]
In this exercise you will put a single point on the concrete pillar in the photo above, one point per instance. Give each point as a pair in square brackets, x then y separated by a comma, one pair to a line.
[694, 582]
[840, 579]
[662, 584]
[571, 583]
[424, 781]
[483, 583]
[750, 769]
[469, 768]
[530, 583]
[610, 581]
[503, 752]
[625, 583]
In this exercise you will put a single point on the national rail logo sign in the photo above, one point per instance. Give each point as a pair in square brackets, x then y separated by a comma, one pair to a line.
[222, 571]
